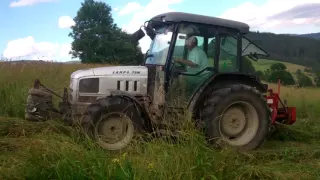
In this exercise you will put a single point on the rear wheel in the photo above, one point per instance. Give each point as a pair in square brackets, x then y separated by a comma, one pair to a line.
[236, 116]
[113, 122]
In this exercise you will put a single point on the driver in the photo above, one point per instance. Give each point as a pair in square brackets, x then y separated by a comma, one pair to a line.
[197, 59]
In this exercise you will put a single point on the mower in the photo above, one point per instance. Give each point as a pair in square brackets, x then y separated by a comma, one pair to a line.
[194, 64]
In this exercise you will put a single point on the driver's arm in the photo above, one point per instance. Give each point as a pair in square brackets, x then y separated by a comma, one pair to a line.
[192, 60]
[187, 62]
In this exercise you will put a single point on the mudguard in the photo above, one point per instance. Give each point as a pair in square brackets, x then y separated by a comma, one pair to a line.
[221, 79]
[109, 99]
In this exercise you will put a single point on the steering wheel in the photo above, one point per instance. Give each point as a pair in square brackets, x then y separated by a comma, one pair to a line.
[174, 64]
[176, 67]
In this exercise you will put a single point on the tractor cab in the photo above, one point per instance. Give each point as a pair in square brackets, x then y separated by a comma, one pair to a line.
[187, 50]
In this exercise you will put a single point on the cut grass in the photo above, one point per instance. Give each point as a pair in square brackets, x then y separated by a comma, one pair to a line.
[51, 151]
[48, 150]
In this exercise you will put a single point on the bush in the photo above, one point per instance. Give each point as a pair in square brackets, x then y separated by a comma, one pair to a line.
[278, 67]
[261, 75]
[298, 71]
[285, 76]
[247, 66]
[308, 70]
[304, 81]
[317, 79]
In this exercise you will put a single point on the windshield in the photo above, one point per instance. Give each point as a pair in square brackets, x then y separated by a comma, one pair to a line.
[159, 47]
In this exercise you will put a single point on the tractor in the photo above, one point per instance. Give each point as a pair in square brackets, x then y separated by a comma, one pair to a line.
[227, 103]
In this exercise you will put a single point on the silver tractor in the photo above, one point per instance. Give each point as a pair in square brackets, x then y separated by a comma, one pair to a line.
[114, 103]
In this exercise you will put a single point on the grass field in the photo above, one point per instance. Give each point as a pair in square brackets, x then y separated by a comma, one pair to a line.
[49, 150]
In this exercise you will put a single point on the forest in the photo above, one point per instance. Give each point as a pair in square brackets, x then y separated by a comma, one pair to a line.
[297, 49]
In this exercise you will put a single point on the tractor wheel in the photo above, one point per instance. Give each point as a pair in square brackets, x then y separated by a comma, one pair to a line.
[237, 116]
[113, 126]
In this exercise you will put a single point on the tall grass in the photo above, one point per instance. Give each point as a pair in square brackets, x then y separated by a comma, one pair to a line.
[49, 150]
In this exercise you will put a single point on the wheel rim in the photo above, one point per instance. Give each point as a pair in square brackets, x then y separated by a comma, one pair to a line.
[239, 123]
[114, 131]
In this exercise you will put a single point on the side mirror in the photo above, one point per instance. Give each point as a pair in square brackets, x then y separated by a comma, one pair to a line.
[150, 32]
[136, 36]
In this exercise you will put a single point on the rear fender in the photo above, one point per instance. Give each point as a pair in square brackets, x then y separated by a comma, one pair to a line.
[220, 80]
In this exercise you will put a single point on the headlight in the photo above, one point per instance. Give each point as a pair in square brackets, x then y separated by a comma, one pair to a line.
[89, 85]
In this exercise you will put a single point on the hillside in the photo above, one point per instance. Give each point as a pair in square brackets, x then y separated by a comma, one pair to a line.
[311, 35]
[264, 64]
[287, 48]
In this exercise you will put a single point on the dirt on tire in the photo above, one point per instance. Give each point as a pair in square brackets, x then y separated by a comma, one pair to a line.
[110, 106]
[217, 102]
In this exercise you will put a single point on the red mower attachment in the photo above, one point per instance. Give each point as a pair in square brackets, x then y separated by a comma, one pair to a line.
[284, 115]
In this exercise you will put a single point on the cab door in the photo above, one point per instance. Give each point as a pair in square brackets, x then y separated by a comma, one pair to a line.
[184, 82]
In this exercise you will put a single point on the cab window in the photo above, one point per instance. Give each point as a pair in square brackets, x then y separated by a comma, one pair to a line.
[228, 54]
[203, 50]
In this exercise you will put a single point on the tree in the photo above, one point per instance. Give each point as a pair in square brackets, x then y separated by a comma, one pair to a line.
[97, 39]
[285, 76]
[278, 66]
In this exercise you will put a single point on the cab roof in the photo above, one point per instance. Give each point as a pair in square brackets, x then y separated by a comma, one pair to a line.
[195, 18]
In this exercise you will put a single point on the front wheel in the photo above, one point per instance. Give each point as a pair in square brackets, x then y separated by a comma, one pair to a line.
[237, 116]
[114, 131]
[113, 122]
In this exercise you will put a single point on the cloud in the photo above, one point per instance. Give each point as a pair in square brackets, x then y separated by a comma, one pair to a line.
[153, 8]
[276, 15]
[20, 3]
[66, 22]
[300, 14]
[28, 48]
[130, 8]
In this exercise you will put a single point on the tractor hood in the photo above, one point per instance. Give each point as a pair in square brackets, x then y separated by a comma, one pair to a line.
[111, 71]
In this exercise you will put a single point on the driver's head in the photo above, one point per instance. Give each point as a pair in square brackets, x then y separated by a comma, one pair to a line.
[191, 42]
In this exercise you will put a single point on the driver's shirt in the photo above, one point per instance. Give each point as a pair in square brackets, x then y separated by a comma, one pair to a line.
[197, 56]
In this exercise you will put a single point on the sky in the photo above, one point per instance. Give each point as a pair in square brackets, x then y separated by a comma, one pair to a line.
[38, 29]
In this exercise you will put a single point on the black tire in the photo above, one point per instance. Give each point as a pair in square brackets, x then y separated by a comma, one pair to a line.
[219, 100]
[106, 109]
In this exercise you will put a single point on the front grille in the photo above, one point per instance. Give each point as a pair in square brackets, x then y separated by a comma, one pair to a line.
[130, 86]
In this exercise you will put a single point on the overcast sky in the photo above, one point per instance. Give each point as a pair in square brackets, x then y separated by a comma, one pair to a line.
[38, 29]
